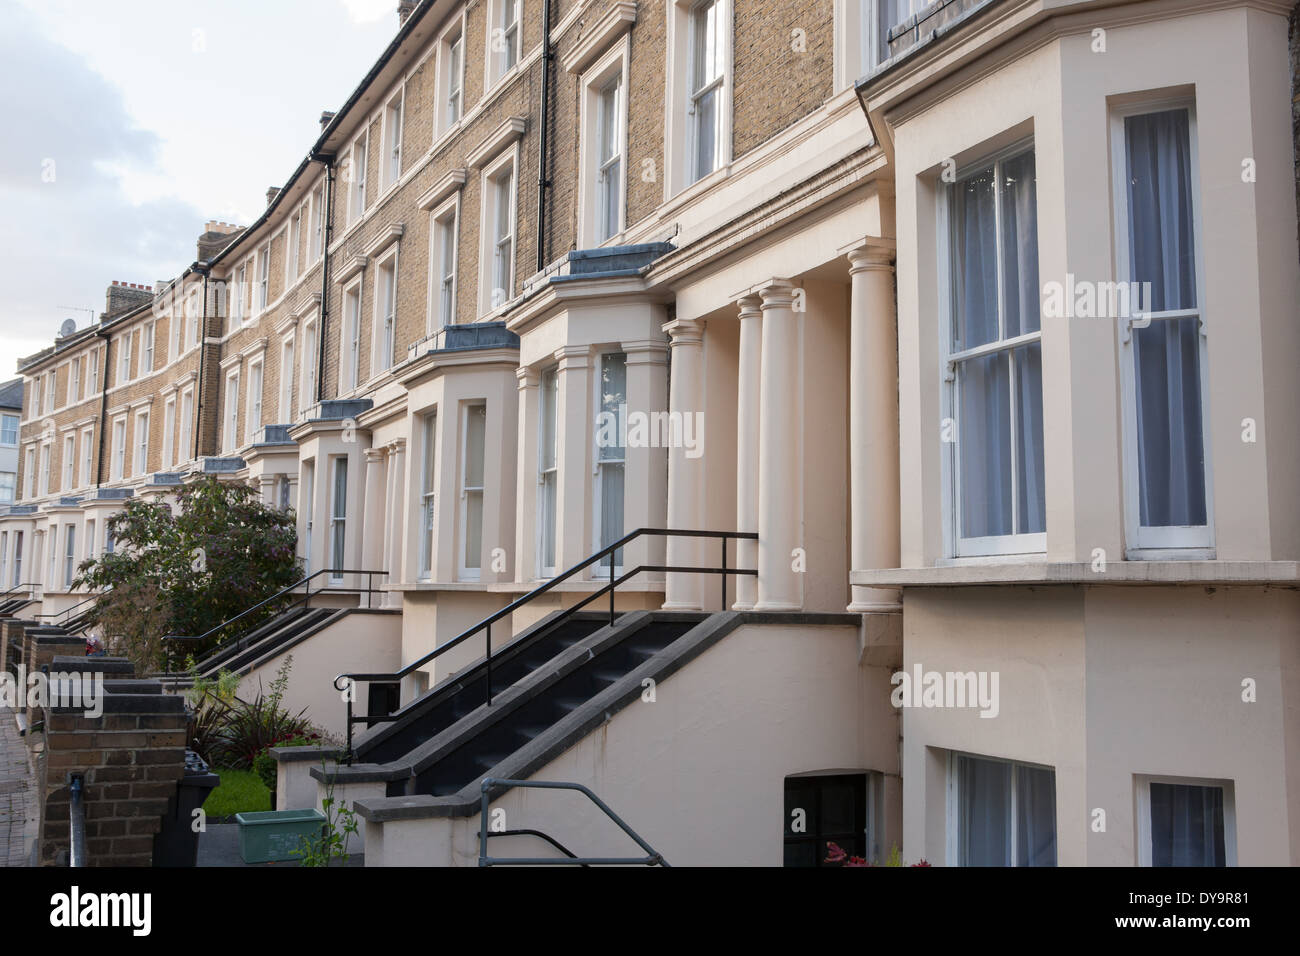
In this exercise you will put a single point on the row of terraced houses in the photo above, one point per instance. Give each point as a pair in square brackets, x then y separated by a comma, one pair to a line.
[977, 319]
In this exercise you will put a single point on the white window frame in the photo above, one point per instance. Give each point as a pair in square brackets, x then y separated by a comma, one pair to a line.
[338, 516]
[597, 472]
[317, 220]
[124, 348]
[500, 64]
[548, 517]
[74, 387]
[69, 555]
[428, 503]
[384, 320]
[146, 349]
[306, 507]
[1025, 543]
[358, 155]
[47, 454]
[463, 571]
[256, 385]
[50, 378]
[117, 468]
[292, 252]
[169, 433]
[288, 350]
[443, 220]
[506, 164]
[451, 78]
[29, 472]
[394, 119]
[140, 460]
[16, 420]
[186, 429]
[1143, 822]
[679, 137]
[69, 463]
[350, 347]
[952, 808]
[263, 297]
[230, 429]
[860, 36]
[613, 66]
[93, 370]
[87, 455]
[307, 384]
[1190, 542]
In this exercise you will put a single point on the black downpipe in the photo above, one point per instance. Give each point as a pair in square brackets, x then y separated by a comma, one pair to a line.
[324, 276]
[103, 410]
[543, 183]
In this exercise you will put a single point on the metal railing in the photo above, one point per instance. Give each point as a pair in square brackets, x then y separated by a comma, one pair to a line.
[30, 588]
[64, 616]
[77, 820]
[652, 857]
[335, 575]
[347, 682]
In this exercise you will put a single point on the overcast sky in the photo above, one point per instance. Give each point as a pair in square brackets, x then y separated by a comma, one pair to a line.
[131, 123]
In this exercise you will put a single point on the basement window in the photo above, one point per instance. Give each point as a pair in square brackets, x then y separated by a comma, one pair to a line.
[821, 809]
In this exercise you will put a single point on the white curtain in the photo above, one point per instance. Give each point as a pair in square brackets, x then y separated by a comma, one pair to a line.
[1171, 458]
[1035, 816]
[1187, 825]
[613, 394]
[984, 808]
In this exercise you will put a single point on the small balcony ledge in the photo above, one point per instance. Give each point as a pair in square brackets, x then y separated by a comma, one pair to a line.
[1235, 573]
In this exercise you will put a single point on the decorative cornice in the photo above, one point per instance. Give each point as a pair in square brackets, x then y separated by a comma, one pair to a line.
[617, 21]
[504, 135]
[351, 268]
[379, 243]
[443, 188]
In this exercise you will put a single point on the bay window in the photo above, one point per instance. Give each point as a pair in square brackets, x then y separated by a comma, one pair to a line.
[993, 367]
[1163, 346]
[339, 519]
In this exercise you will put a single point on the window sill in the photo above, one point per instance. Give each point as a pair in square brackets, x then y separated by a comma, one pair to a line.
[1242, 573]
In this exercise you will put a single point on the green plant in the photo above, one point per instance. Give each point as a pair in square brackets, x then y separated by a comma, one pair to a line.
[266, 767]
[339, 827]
[190, 570]
[837, 856]
[248, 728]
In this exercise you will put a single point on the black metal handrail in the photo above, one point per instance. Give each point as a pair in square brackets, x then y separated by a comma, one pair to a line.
[541, 836]
[485, 625]
[77, 821]
[29, 587]
[66, 614]
[652, 857]
[369, 590]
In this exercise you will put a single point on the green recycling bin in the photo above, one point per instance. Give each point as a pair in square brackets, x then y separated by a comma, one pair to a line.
[271, 836]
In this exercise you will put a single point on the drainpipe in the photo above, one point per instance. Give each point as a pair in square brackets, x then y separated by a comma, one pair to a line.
[328, 161]
[203, 368]
[543, 183]
[103, 410]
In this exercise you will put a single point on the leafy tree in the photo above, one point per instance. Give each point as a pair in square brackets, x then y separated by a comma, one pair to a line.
[189, 569]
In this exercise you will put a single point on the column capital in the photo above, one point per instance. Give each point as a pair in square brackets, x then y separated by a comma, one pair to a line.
[870, 254]
[684, 331]
[265, 480]
[374, 455]
[776, 294]
[572, 357]
[527, 377]
[750, 306]
[397, 446]
[646, 351]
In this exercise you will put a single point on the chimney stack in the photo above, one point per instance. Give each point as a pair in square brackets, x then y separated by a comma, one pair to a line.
[125, 296]
[271, 193]
[325, 118]
[404, 9]
[215, 237]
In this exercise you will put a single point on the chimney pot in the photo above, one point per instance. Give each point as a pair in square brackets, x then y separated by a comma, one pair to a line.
[325, 117]
[271, 193]
[404, 10]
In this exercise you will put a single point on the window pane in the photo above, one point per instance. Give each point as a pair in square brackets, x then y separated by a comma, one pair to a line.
[1035, 816]
[984, 446]
[1161, 232]
[473, 529]
[1020, 245]
[706, 122]
[611, 510]
[475, 435]
[548, 519]
[1171, 457]
[613, 395]
[975, 278]
[984, 812]
[1187, 825]
[1031, 500]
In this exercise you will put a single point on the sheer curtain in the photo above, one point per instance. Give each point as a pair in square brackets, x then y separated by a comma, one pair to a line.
[1171, 457]
[984, 808]
[1187, 825]
[1035, 816]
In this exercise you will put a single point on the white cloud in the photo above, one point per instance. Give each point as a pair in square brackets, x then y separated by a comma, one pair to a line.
[368, 11]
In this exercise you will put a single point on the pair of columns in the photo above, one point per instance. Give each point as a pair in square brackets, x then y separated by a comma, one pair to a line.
[770, 415]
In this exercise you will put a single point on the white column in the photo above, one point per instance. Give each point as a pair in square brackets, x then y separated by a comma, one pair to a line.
[396, 514]
[748, 390]
[873, 425]
[266, 486]
[685, 475]
[780, 499]
[645, 489]
[372, 522]
[526, 486]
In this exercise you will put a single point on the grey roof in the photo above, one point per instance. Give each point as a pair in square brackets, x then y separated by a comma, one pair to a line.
[11, 394]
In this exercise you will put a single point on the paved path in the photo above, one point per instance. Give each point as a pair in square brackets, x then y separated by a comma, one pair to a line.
[17, 798]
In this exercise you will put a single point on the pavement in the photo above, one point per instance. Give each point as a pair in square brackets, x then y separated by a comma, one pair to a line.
[18, 803]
